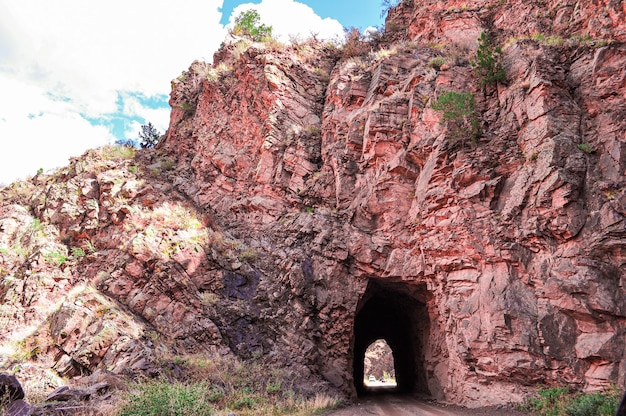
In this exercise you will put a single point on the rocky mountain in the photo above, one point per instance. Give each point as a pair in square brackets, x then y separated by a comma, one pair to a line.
[306, 202]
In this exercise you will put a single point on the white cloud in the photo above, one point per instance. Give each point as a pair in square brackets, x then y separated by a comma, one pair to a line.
[132, 130]
[62, 59]
[39, 132]
[289, 18]
[88, 50]
[64, 63]
[159, 117]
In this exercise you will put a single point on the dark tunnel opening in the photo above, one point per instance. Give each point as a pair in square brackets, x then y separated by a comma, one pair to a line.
[393, 312]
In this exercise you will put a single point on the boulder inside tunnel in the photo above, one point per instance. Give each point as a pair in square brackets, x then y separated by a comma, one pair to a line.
[393, 312]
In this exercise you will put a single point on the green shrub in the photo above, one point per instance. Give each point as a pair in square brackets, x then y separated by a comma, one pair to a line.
[437, 62]
[595, 404]
[549, 402]
[56, 258]
[248, 25]
[585, 147]
[273, 387]
[459, 114]
[455, 106]
[488, 63]
[78, 252]
[165, 399]
[559, 401]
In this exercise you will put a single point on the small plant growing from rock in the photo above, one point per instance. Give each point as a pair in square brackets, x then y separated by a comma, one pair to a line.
[488, 63]
[459, 114]
[185, 106]
[248, 255]
[78, 252]
[437, 63]
[273, 387]
[56, 258]
[585, 147]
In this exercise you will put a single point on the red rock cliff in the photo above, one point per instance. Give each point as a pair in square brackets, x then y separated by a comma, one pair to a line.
[503, 257]
[304, 205]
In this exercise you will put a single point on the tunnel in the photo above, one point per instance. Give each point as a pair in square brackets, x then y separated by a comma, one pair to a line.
[393, 312]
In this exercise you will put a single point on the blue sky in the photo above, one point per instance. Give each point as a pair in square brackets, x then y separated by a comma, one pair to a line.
[78, 74]
[350, 13]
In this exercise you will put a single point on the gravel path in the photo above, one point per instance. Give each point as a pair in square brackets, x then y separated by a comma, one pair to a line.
[396, 405]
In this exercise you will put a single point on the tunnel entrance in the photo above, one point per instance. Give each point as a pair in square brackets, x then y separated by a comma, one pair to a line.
[396, 313]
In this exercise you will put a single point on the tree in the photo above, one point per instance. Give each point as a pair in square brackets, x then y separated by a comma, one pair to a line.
[388, 5]
[355, 43]
[488, 64]
[459, 114]
[248, 24]
[148, 136]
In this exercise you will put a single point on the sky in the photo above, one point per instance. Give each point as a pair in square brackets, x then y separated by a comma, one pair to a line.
[78, 74]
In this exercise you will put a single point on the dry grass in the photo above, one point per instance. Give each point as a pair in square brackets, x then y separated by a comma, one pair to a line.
[223, 384]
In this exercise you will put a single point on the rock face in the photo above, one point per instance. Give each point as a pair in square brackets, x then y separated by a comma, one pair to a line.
[379, 360]
[10, 389]
[303, 205]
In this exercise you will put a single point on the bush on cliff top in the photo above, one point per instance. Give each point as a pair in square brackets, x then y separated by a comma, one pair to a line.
[248, 25]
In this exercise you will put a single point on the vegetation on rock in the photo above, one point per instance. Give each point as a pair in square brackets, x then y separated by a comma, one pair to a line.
[488, 63]
[559, 401]
[202, 245]
[248, 24]
[459, 114]
[202, 386]
[148, 136]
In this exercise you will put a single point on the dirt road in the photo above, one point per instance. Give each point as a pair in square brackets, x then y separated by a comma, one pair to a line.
[395, 405]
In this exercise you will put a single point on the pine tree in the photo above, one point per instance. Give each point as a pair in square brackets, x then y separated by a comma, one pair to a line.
[488, 64]
[148, 136]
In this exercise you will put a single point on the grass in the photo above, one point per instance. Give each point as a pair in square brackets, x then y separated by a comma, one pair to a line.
[78, 252]
[56, 258]
[560, 401]
[161, 398]
[248, 255]
[585, 147]
[437, 62]
[118, 152]
[221, 386]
